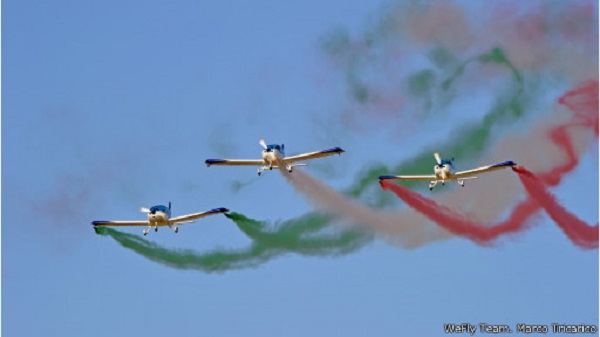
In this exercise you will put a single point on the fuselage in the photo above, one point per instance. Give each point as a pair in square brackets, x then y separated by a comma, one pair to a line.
[159, 215]
[445, 170]
[273, 155]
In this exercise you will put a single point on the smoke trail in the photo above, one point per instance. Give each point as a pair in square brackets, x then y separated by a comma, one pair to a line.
[215, 261]
[304, 237]
[541, 36]
[396, 227]
[447, 35]
[583, 102]
[508, 109]
[468, 141]
[444, 39]
[576, 230]
[460, 224]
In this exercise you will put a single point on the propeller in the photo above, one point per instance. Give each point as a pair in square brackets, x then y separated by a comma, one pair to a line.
[144, 210]
[262, 143]
[437, 158]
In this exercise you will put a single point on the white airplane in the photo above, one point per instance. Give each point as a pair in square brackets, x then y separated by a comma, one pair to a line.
[444, 171]
[273, 157]
[161, 216]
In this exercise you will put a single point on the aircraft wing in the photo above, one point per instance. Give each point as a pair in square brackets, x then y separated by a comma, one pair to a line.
[235, 162]
[194, 216]
[313, 155]
[120, 223]
[484, 169]
[428, 178]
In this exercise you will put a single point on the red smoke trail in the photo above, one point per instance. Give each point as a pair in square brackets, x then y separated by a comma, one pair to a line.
[578, 231]
[584, 103]
[459, 224]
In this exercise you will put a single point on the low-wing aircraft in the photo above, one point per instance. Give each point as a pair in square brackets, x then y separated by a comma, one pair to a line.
[444, 171]
[274, 157]
[161, 216]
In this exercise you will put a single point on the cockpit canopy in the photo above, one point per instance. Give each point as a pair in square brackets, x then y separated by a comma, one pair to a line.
[447, 162]
[160, 208]
[279, 148]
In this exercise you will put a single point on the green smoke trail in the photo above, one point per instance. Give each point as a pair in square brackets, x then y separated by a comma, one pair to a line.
[496, 55]
[468, 141]
[302, 236]
[214, 261]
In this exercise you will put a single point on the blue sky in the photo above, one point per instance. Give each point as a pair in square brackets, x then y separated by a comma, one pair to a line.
[109, 106]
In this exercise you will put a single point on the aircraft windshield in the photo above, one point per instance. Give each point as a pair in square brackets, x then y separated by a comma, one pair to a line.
[448, 162]
[274, 146]
[159, 208]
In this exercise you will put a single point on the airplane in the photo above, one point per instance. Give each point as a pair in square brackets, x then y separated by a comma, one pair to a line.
[445, 171]
[161, 216]
[274, 156]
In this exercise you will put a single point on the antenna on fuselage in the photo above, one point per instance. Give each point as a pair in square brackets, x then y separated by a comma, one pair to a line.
[169, 205]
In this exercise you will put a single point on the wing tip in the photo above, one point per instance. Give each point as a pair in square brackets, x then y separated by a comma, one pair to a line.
[505, 163]
[214, 161]
[219, 210]
[336, 149]
[386, 177]
[99, 223]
